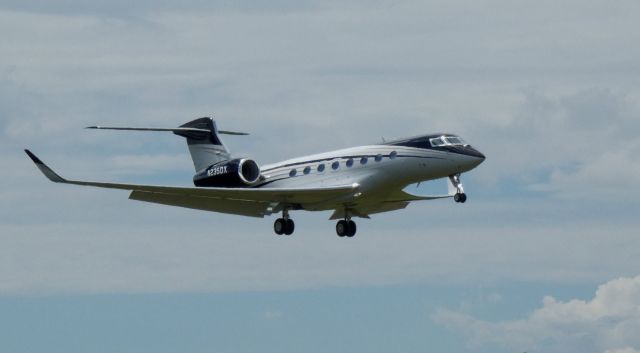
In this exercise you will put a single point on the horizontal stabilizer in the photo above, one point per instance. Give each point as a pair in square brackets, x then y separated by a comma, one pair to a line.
[175, 129]
[202, 135]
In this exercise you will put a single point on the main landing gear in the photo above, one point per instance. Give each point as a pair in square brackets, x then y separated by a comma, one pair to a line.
[460, 196]
[346, 227]
[284, 225]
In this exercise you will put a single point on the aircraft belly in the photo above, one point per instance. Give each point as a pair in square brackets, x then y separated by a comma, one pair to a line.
[364, 211]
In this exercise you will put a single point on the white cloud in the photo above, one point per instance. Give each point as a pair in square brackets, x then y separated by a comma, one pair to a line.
[576, 146]
[611, 173]
[622, 350]
[609, 322]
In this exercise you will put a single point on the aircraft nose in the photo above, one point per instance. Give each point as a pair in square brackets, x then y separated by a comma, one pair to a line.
[475, 153]
[481, 156]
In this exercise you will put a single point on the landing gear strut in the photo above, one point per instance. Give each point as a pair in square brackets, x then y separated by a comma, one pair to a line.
[284, 225]
[346, 227]
[460, 196]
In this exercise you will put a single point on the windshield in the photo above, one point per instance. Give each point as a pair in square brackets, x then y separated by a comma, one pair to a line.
[438, 141]
[454, 140]
[447, 141]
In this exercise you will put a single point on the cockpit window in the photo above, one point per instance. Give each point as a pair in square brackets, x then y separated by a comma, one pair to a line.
[447, 141]
[454, 140]
[437, 141]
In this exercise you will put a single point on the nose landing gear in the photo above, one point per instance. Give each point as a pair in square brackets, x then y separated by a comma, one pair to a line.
[460, 196]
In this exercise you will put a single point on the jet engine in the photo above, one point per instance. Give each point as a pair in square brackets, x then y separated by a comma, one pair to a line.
[229, 174]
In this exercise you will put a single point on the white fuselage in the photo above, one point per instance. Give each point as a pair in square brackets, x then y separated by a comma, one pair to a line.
[394, 168]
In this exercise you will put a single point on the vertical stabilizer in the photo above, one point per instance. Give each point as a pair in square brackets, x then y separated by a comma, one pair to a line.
[204, 144]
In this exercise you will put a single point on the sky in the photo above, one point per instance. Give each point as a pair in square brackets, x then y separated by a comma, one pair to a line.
[543, 257]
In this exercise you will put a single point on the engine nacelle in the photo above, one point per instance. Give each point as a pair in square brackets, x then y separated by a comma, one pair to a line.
[229, 174]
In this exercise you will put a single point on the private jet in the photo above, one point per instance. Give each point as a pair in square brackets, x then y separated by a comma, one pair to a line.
[352, 182]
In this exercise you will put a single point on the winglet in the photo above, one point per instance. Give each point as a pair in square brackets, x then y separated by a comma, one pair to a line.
[50, 174]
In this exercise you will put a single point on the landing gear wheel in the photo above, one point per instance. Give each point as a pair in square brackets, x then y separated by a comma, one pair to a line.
[346, 228]
[289, 226]
[279, 226]
[461, 197]
[351, 227]
[341, 228]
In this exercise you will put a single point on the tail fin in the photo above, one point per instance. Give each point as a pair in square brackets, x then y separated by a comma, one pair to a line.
[205, 146]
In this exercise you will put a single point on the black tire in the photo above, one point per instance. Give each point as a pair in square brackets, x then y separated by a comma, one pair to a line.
[351, 227]
[279, 226]
[341, 228]
[289, 227]
[463, 198]
[457, 197]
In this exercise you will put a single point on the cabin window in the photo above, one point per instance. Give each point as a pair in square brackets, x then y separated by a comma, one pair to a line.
[350, 162]
[321, 167]
[292, 173]
[378, 158]
[363, 160]
[393, 155]
[307, 170]
[335, 165]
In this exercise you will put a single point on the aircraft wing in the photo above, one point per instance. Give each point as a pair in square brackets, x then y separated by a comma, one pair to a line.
[242, 201]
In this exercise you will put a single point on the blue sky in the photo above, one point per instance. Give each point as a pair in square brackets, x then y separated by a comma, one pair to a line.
[373, 319]
[543, 256]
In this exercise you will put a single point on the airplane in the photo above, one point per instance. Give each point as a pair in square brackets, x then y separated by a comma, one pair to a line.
[352, 182]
